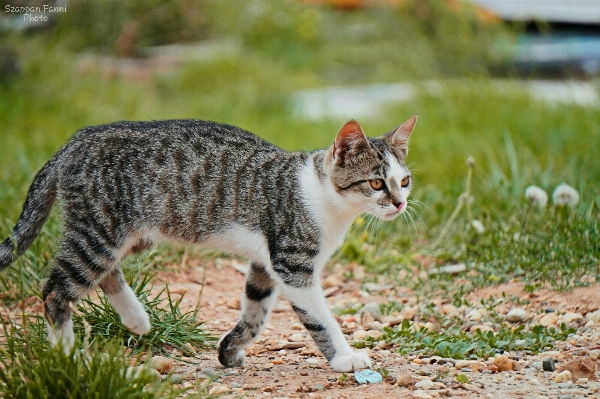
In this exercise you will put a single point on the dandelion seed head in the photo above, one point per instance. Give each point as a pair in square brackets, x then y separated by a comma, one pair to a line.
[565, 195]
[536, 196]
[478, 226]
[470, 162]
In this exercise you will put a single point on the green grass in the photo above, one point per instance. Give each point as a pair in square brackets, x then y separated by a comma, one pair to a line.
[284, 46]
[30, 368]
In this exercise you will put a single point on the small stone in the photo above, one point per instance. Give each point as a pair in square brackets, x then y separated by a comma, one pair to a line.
[580, 368]
[218, 389]
[161, 364]
[136, 371]
[474, 315]
[375, 325]
[375, 334]
[421, 395]
[444, 370]
[234, 303]
[535, 381]
[463, 363]
[373, 309]
[297, 338]
[359, 335]
[492, 368]
[312, 360]
[176, 378]
[593, 316]
[424, 384]
[277, 361]
[404, 380]
[297, 326]
[572, 320]
[503, 363]
[550, 318]
[548, 364]
[235, 385]
[331, 281]
[210, 373]
[516, 315]
[481, 327]
[563, 377]
[448, 308]
[582, 381]
[594, 354]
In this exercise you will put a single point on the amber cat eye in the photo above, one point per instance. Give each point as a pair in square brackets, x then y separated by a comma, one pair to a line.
[405, 181]
[376, 184]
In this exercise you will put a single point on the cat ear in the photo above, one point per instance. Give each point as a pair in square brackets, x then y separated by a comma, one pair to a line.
[349, 139]
[399, 138]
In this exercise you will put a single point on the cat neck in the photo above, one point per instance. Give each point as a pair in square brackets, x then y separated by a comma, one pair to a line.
[331, 211]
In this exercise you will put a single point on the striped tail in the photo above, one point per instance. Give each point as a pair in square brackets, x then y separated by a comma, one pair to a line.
[40, 198]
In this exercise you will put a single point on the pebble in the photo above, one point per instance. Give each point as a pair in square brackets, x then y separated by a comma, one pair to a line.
[373, 308]
[424, 384]
[463, 363]
[594, 354]
[503, 363]
[161, 364]
[138, 370]
[481, 327]
[404, 380]
[234, 303]
[535, 381]
[548, 364]
[297, 326]
[312, 360]
[548, 319]
[297, 338]
[474, 315]
[375, 334]
[218, 389]
[176, 378]
[359, 334]
[572, 320]
[593, 316]
[210, 373]
[581, 381]
[516, 315]
[235, 385]
[563, 376]
[421, 394]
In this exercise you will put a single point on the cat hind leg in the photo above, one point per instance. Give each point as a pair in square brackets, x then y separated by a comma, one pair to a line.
[133, 315]
[259, 297]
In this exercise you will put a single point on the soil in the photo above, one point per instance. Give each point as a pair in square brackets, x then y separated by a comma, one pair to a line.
[276, 367]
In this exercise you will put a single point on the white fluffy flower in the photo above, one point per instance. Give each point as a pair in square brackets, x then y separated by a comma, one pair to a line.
[478, 226]
[565, 195]
[536, 196]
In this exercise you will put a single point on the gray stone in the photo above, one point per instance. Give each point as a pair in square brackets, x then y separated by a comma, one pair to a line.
[373, 308]
[548, 364]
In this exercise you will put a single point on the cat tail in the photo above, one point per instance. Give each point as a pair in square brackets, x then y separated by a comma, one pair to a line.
[37, 207]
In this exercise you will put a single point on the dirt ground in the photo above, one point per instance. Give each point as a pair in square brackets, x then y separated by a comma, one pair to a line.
[279, 365]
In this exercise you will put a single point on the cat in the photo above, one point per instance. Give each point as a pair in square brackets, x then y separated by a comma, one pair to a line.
[128, 185]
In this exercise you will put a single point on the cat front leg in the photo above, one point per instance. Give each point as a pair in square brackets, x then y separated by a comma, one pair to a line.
[259, 297]
[311, 308]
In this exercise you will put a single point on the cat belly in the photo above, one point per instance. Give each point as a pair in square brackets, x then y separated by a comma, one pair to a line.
[239, 240]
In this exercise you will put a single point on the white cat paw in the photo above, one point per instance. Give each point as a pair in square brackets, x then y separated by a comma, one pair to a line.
[138, 324]
[352, 361]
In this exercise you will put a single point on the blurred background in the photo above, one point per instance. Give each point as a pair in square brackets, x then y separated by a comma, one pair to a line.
[512, 83]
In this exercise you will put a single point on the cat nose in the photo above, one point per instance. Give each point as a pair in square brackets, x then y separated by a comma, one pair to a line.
[398, 204]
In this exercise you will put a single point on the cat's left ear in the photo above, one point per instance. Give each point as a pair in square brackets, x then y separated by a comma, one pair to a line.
[399, 138]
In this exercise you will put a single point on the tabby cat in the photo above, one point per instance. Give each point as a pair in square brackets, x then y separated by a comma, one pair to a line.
[128, 185]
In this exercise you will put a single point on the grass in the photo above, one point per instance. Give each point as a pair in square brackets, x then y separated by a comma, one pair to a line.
[283, 46]
[30, 368]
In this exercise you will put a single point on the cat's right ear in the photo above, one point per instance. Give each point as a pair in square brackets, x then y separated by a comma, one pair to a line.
[349, 140]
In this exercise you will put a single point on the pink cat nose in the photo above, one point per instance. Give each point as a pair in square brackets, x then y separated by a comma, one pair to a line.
[398, 204]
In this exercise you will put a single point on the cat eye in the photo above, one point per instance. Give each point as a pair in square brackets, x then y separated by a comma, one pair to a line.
[405, 182]
[376, 184]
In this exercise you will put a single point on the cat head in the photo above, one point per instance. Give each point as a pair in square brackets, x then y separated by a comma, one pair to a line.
[370, 174]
